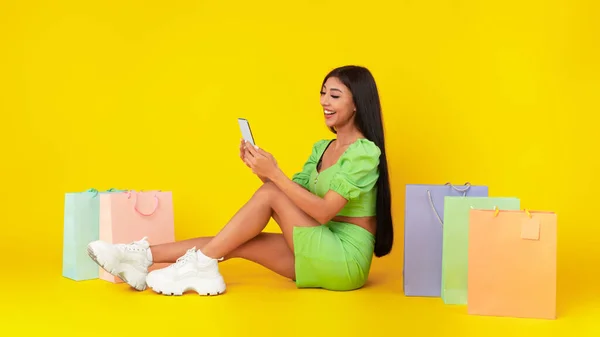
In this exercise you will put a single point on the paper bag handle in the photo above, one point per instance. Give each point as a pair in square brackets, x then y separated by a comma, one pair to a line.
[136, 208]
[463, 191]
[95, 191]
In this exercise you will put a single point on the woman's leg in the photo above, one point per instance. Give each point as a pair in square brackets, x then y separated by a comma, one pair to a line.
[198, 269]
[242, 237]
[269, 250]
[251, 219]
[268, 201]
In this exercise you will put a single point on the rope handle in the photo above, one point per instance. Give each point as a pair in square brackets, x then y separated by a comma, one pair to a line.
[497, 211]
[136, 203]
[431, 203]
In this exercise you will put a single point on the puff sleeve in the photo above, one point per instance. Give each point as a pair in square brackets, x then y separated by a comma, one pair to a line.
[358, 170]
[303, 176]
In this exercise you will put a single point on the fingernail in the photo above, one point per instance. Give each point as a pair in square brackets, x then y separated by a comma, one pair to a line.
[256, 147]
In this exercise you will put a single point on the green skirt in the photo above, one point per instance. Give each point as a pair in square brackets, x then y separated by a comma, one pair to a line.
[335, 256]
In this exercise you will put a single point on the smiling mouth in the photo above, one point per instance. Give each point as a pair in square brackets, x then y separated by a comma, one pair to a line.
[329, 113]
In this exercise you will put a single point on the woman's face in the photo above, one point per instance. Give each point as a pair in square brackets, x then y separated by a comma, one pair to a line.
[337, 103]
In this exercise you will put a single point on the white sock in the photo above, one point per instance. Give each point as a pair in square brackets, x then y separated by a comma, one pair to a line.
[203, 257]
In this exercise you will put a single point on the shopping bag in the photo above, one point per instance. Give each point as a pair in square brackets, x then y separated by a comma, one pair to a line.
[130, 216]
[423, 214]
[456, 240]
[81, 226]
[512, 264]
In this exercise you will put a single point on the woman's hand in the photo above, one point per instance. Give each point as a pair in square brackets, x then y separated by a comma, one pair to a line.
[244, 153]
[261, 162]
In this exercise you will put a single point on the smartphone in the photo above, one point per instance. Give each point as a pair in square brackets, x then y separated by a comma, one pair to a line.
[245, 129]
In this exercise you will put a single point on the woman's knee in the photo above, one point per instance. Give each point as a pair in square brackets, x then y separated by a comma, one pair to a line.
[267, 192]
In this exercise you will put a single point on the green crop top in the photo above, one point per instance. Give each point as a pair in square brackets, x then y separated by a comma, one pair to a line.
[354, 176]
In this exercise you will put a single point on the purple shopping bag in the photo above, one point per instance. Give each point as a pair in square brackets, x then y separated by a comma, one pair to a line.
[423, 235]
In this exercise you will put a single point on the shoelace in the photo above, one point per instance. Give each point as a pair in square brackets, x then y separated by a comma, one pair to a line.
[135, 246]
[185, 258]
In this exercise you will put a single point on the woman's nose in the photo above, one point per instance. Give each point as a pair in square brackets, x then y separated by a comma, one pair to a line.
[324, 100]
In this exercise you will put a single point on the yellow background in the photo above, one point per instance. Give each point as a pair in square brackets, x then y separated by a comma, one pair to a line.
[144, 95]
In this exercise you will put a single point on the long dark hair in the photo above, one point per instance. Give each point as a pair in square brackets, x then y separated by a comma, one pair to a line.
[369, 121]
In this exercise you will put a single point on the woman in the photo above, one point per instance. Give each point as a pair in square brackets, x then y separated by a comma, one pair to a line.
[334, 214]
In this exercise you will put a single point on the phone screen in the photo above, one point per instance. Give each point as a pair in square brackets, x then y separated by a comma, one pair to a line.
[245, 129]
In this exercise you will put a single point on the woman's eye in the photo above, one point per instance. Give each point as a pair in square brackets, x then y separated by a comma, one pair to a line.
[335, 96]
[322, 93]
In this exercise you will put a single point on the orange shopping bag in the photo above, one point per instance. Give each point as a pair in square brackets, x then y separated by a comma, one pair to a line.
[130, 216]
[512, 263]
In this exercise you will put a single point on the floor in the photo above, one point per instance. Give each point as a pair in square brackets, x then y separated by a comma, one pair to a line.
[259, 303]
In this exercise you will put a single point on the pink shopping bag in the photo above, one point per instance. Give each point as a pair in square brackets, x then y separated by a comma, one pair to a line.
[131, 215]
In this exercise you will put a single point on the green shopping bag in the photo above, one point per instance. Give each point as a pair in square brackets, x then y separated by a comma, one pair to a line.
[455, 249]
[81, 226]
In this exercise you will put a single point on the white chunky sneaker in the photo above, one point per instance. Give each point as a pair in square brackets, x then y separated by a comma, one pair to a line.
[128, 262]
[193, 271]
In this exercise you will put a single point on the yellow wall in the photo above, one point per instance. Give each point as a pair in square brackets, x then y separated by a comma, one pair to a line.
[144, 95]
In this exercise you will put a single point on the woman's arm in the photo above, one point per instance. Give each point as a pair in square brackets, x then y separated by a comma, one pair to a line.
[320, 209]
[357, 173]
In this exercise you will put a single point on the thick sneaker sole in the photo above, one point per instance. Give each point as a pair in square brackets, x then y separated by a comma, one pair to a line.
[119, 269]
[203, 286]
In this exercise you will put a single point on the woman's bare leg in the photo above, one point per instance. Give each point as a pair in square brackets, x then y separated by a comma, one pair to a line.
[255, 213]
[269, 250]
[242, 237]
[252, 218]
